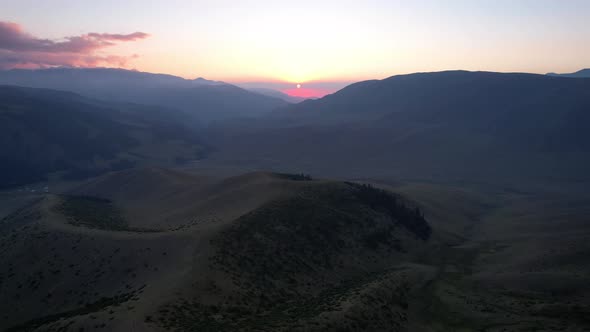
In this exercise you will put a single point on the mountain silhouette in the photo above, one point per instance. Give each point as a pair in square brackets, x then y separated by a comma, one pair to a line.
[584, 73]
[205, 100]
[277, 94]
[457, 124]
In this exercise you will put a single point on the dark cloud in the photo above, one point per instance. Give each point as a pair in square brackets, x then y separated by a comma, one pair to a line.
[19, 49]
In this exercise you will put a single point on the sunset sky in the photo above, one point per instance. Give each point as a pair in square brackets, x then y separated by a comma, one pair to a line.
[276, 44]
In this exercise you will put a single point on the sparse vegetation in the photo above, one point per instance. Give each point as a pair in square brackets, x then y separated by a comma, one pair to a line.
[91, 212]
[277, 256]
[87, 309]
[300, 234]
[94, 212]
[295, 177]
[326, 256]
[303, 313]
[382, 200]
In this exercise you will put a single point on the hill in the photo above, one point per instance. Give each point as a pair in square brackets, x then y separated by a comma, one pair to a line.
[584, 73]
[164, 199]
[299, 249]
[447, 126]
[203, 99]
[47, 131]
[287, 252]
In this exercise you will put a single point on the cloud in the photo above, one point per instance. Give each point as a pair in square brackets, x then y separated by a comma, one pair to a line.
[19, 49]
[119, 37]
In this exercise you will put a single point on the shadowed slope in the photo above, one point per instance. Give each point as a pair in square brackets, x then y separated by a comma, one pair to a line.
[45, 131]
[241, 265]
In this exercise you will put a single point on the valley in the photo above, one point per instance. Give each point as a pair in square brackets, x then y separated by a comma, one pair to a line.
[295, 166]
[391, 205]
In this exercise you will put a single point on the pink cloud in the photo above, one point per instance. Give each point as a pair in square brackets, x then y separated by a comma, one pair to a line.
[119, 37]
[19, 49]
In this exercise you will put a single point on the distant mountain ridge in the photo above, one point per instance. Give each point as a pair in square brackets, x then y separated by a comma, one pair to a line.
[100, 75]
[205, 100]
[584, 73]
[443, 125]
[278, 94]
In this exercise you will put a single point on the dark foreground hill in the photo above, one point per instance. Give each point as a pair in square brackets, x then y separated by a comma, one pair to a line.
[475, 126]
[203, 99]
[284, 252]
[46, 131]
[298, 254]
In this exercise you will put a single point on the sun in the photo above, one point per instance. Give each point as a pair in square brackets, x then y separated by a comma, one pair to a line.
[298, 86]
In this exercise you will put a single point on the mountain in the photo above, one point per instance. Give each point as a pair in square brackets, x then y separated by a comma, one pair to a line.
[278, 94]
[458, 125]
[46, 131]
[205, 100]
[584, 73]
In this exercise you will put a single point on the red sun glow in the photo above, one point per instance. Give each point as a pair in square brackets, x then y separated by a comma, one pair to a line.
[300, 91]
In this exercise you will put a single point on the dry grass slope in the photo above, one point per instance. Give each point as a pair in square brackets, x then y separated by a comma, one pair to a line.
[280, 252]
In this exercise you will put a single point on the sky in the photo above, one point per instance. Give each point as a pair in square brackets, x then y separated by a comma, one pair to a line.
[322, 45]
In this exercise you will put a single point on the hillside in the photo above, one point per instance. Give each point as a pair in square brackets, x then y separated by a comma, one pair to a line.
[165, 199]
[47, 131]
[286, 252]
[278, 261]
[204, 100]
[447, 126]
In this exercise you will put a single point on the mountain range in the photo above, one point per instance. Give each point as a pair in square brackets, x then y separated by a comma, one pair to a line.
[584, 73]
[476, 126]
[447, 125]
[277, 94]
[205, 100]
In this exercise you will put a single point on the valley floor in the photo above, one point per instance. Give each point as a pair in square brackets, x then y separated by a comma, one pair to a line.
[521, 266]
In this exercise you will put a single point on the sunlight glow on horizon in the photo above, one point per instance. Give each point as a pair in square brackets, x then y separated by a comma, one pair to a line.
[330, 41]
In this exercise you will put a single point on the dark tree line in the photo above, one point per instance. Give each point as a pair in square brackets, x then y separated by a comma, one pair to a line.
[295, 177]
[382, 200]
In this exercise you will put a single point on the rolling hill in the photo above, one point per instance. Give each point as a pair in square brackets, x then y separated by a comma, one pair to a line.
[47, 131]
[265, 251]
[285, 252]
